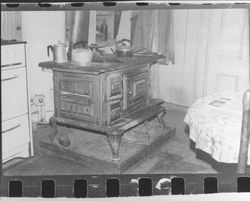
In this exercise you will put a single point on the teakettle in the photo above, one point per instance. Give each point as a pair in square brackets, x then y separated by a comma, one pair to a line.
[59, 52]
[81, 54]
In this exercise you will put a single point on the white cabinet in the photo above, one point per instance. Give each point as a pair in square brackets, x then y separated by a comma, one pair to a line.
[15, 132]
[14, 93]
[16, 125]
[13, 55]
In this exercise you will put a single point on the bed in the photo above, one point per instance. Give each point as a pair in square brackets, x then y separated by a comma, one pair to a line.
[215, 125]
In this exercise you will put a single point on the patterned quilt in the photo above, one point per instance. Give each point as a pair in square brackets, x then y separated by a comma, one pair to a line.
[215, 125]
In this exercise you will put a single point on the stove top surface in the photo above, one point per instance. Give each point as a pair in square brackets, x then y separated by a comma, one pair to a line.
[110, 64]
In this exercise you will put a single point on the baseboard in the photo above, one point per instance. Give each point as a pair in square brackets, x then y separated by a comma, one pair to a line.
[175, 107]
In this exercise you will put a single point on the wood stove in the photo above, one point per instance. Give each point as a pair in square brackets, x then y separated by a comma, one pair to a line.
[104, 97]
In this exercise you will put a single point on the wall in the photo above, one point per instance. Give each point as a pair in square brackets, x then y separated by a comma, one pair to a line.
[199, 36]
[125, 25]
[40, 29]
[211, 50]
[177, 81]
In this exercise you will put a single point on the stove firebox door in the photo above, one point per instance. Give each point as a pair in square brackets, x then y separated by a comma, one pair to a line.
[74, 97]
[136, 90]
[114, 86]
[114, 97]
[114, 111]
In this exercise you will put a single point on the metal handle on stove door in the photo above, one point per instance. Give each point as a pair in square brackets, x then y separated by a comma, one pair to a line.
[105, 97]
[10, 129]
[9, 78]
[125, 96]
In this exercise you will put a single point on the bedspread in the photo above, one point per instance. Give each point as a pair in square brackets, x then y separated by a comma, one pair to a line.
[215, 125]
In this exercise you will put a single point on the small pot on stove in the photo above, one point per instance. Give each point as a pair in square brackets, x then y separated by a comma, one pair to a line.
[123, 50]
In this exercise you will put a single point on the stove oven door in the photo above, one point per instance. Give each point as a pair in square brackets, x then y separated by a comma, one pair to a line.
[136, 90]
[74, 97]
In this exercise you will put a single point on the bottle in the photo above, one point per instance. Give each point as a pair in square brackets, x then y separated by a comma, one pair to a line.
[104, 29]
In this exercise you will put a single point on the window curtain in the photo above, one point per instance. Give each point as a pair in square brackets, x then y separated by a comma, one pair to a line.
[117, 22]
[77, 28]
[154, 29]
[11, 25]
[148, 26]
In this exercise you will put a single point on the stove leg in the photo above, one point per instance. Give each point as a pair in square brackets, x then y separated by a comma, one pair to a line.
[52, 123]
[114, 143]
[161, 120]
[64, 140]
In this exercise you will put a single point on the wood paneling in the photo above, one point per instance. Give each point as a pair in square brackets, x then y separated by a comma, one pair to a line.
[211, 48]
[11, 25]
[226, 63]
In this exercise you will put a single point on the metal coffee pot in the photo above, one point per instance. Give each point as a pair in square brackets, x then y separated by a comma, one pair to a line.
[59, 52]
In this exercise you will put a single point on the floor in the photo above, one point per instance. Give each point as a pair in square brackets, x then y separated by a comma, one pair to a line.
[178, 155]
